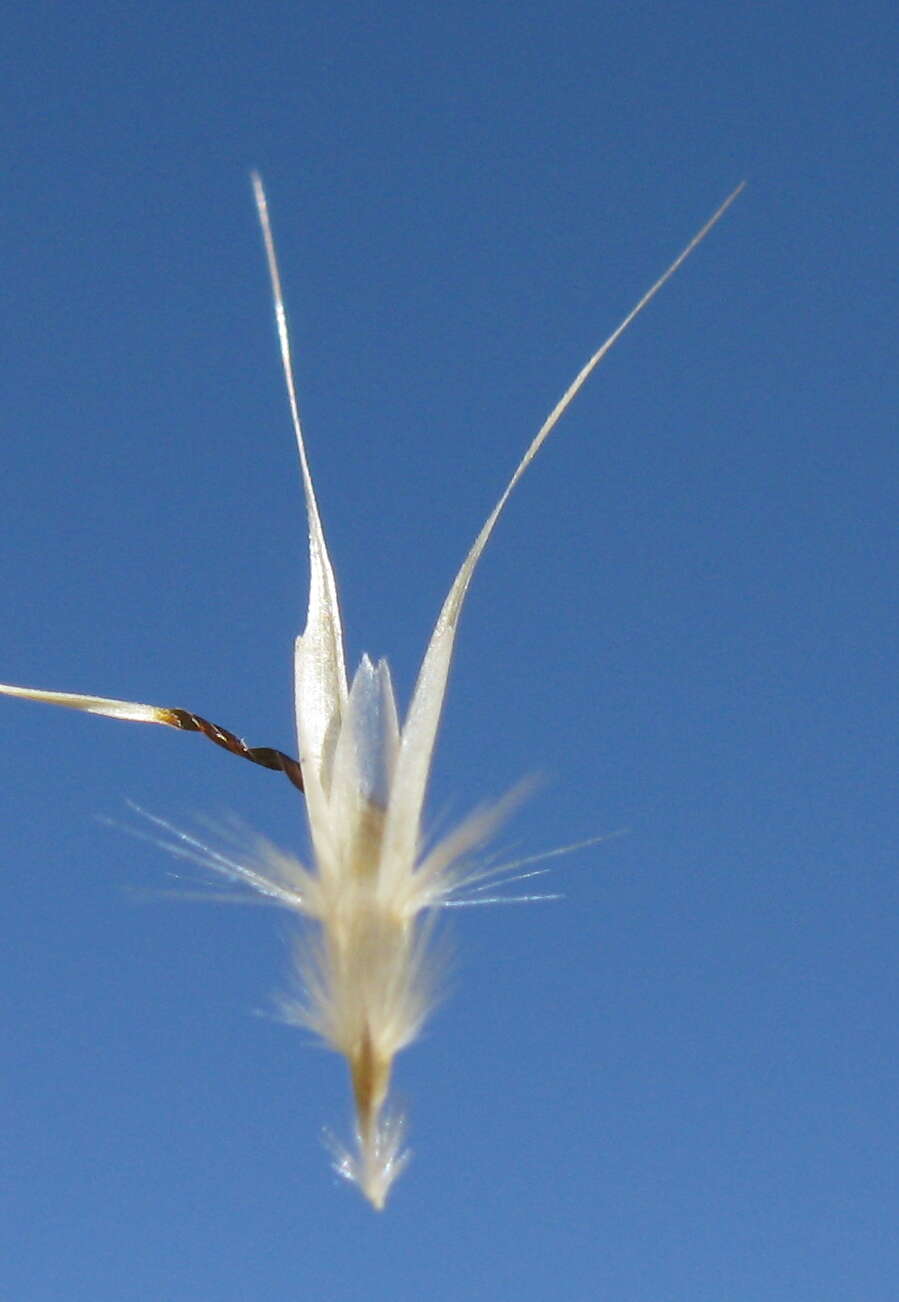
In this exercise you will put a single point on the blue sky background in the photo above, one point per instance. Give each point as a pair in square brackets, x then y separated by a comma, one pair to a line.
[681, 1081]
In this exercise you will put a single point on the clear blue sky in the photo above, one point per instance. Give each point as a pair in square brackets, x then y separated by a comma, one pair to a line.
[681, 1081]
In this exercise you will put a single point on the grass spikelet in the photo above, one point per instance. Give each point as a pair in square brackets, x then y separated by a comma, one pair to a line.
[368, 895]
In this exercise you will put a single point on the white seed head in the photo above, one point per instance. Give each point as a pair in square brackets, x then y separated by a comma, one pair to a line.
[365, 958]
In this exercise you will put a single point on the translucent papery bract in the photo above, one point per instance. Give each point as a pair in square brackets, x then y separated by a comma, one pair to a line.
[362, 771]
